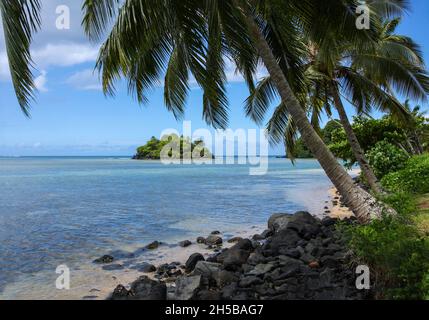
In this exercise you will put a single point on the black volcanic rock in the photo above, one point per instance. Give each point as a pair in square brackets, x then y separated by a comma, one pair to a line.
[185, 243]
[153, 245]
[301, 257]
[104, 259]
[192, 261]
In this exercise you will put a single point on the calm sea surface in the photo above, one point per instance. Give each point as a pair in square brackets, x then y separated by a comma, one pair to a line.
[71, 210]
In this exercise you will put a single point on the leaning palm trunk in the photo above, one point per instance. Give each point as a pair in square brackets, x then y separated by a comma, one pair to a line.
[418, 143]
[354, 144]
[364, 205]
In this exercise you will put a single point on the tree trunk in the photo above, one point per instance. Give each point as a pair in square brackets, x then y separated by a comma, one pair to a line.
[364, 205]
[412, 150]
[354, 143]
[418, 143]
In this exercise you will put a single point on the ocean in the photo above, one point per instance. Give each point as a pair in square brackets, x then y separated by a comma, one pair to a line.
[69, 211]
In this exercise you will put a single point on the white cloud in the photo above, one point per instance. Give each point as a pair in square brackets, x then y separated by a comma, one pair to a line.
[64, 54]
[49, 48]
[40, 81]
[85, 80]
[53, 55]
[53, 48]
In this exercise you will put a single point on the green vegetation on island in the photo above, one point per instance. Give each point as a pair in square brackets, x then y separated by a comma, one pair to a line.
[175, 147]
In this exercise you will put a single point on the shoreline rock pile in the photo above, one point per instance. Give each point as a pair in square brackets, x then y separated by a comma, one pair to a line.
[298, 257]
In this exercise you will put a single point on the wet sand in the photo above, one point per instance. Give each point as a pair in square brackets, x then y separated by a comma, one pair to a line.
[336, 208]
[91, 282]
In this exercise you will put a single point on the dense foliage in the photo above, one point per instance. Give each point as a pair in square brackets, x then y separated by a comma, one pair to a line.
[175, 147]
[411, 137]
[397, 247]
[385, 157]
[413, 178]
[397, 254]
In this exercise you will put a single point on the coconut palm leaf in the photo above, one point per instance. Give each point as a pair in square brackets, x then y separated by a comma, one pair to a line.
[365, 95]
[21, 18]
[260, 99]
[407, 79]
[97, 16]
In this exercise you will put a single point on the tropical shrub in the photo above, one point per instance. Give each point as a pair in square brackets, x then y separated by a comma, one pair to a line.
[397, 255]
[371, 131]
[384, 158]
[394, 247]
[413, 178]
[403, 202]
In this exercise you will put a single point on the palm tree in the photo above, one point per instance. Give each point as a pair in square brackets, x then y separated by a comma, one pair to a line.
[338, 68]
[415, 130]
[181, 37]
[21, 19]
[191, 36]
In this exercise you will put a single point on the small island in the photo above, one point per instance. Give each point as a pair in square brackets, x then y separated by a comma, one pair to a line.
[175, 147]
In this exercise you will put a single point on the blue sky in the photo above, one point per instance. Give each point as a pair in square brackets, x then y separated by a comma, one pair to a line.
[71, 115]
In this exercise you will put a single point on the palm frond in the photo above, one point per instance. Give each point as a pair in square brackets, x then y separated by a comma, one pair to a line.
[238, 45]
[21, 19]
[97, 16]
[407, 79]
[260, 99]
[176, 85]
[365, 94]
[138, 48]
[277, 125]
[213, 78]
[389, 8]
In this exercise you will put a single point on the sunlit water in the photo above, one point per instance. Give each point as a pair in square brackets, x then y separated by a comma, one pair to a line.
[69, 211]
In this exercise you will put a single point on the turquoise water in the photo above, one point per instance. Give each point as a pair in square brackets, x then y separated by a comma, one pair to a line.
[70, 210]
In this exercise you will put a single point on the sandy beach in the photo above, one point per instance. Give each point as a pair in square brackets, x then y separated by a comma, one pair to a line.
[336, 208]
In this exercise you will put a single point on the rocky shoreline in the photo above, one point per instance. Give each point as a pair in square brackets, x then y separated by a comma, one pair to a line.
[298, 257]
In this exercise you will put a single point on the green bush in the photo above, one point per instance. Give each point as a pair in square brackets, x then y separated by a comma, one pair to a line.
[404, 203]
[393, 247]
[414, 178]
[384, 158]
[397, 255]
